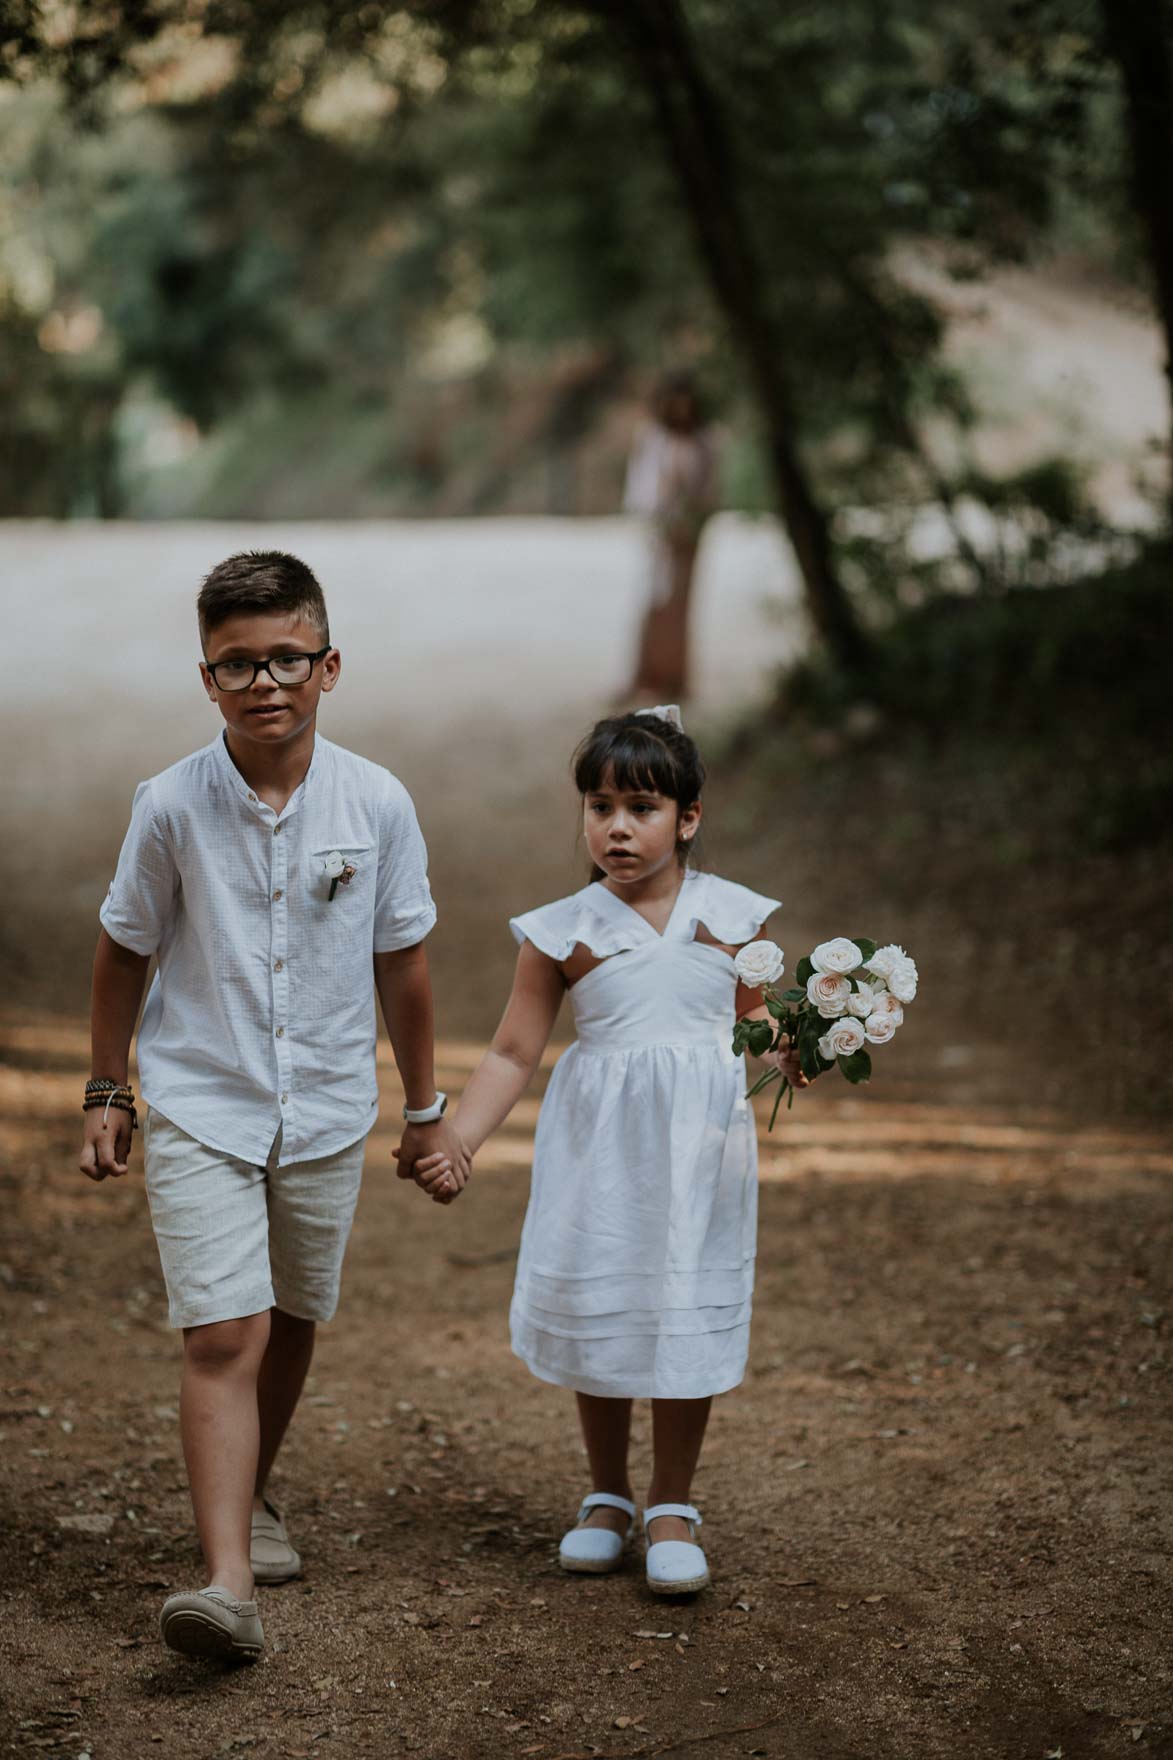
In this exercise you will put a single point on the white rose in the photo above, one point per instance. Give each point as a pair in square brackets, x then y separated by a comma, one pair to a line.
[883, 1002]
[902, 981]
[897, 970]
[879, 1028]
[844, 1038]
[839, 955]
[760, 962]
[829, 993]
[861, 1002]
[333, 864]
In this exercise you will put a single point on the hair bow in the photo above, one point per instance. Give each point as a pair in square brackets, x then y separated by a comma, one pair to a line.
[669, 712]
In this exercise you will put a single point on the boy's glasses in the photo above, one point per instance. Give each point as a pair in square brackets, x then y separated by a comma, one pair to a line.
[238, 675]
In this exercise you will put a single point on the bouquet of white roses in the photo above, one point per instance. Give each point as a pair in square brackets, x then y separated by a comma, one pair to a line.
[848, 995]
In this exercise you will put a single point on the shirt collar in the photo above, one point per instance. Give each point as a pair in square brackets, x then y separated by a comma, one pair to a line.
[252, 800]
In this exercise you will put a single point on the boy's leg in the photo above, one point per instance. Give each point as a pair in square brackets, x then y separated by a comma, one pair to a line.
[606, 1430]
[678, 1430]
[221, 1438]
[283, 1371]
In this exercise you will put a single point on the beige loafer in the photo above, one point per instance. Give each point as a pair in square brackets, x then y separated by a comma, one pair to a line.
[272, 1557]
[211, 1622]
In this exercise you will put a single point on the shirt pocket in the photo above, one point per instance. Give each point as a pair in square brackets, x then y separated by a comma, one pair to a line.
[356, 878]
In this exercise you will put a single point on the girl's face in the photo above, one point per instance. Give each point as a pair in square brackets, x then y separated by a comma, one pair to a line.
[632, 833]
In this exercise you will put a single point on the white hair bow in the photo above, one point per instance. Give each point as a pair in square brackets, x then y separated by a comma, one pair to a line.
[669, 712]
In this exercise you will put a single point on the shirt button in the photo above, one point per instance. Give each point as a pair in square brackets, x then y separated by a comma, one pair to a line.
[278, 965]
[281, 1032]
[276, 830]
[276, 896]
[285, 1099]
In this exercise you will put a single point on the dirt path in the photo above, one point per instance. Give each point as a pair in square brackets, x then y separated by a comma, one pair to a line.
[937, 1511]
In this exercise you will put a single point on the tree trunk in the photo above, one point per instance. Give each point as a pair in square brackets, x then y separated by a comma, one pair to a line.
[693, 129]
[1138, 38]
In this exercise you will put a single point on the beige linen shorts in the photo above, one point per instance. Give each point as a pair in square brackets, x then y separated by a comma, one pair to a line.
[235, 1239]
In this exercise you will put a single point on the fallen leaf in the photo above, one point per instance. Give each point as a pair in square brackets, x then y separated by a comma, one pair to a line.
[86, 1524]
[799, 1582]
[871, 1600]
[623, 1723]
[843, 1606]
[637, 1664]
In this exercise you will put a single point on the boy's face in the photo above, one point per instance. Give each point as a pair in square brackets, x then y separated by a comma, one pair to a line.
[268, 712]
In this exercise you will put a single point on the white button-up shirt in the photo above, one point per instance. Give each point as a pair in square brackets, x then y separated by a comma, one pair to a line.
[262, 1012]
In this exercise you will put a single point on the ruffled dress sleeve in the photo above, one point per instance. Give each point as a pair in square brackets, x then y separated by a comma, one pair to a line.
[557, 929]
[731, 913]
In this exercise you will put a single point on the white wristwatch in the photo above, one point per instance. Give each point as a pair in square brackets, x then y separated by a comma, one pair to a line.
[428, 1114]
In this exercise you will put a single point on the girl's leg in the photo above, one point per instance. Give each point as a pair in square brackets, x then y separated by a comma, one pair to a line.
[606, 1430]
[678, 1429]
[219, 1424]
[282, 1376]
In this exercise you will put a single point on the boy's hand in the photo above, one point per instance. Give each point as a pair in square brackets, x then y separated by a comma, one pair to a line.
[432, 1143]
[785, 1059]
[106, 1147]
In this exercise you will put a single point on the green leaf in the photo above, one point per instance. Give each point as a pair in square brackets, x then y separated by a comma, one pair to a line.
[804, 971]
[760, 1037]
[794, 995]
[866, 947]
[857, 1068]
[778, 1009]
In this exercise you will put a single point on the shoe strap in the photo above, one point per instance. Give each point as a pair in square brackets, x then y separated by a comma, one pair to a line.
[605, 1500]
[684, 1510]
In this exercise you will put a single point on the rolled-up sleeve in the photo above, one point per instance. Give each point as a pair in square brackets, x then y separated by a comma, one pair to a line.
[404, 911]
[143, 891]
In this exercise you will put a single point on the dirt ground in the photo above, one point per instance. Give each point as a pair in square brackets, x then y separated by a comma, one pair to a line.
[938, 1511]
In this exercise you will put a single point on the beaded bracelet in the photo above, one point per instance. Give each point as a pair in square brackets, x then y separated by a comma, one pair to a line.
[118, 1105]
[101, 1091]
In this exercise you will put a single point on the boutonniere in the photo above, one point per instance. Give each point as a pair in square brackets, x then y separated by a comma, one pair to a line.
[339, 870]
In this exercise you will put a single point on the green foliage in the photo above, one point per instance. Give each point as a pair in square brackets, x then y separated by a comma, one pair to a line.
[1066, 681]
[342, 207]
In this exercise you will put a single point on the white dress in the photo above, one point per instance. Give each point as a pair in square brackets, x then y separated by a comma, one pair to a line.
[635, 1275]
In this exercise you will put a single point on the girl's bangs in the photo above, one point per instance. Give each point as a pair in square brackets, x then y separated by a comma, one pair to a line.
[634, 761]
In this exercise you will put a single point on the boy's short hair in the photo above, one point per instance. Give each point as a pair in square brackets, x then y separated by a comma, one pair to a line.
[261, 580]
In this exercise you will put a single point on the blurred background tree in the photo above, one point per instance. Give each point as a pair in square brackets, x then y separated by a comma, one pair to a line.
[343, 260]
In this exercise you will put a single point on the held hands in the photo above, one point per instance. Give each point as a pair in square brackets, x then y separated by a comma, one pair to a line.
[436, 1157]
[105, 1147]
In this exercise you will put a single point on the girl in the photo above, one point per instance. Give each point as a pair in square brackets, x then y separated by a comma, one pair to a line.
[636, 1266]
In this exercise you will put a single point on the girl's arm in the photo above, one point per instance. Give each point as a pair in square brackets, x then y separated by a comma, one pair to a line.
[508, 1066]
[750, 1005]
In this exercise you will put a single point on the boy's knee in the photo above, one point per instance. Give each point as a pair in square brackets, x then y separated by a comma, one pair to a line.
[227, 1344]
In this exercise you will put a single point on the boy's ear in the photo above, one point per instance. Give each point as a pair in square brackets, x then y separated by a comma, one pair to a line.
[208, 683]
[331, 669]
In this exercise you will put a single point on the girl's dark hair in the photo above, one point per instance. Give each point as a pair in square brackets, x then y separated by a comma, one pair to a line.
[640, 751]
[261, 580]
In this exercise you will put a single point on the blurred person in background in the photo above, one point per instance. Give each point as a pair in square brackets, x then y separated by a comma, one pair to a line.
[672, 483]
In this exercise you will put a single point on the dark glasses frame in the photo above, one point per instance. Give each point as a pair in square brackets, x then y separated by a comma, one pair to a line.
[264, 666]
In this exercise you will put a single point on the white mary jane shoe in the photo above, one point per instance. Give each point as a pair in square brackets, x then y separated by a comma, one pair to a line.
[595, 1549]
[675, 1567]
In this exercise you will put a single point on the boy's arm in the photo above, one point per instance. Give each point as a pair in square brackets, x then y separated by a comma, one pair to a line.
[119, 980]
[404, 987]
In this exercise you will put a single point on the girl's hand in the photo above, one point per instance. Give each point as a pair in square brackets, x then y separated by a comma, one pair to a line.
[785, 1060]
[437, 1176]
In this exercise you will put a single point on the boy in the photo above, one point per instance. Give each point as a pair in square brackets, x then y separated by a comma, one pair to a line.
[281, 881]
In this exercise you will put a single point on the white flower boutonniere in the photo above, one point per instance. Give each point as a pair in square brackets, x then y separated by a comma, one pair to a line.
[339, 870]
